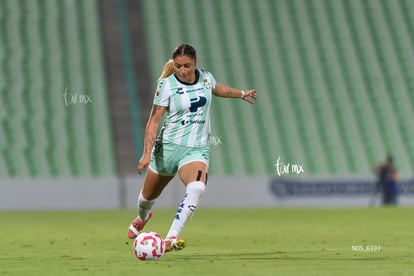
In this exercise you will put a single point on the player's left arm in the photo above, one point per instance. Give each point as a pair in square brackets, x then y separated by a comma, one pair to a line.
[222, 90]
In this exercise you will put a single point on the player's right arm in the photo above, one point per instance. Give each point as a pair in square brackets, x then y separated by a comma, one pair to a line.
[151, 130]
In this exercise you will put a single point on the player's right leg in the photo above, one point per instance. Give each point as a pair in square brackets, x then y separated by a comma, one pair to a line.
[194, 176]
[154, 184]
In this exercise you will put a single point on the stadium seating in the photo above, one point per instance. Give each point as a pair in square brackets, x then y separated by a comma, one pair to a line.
[49, 48]
[335, 79]
[335, 82]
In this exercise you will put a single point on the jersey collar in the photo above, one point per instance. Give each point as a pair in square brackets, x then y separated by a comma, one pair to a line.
[197, 76]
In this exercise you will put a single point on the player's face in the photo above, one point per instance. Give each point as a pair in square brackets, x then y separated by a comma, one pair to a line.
[185, 68]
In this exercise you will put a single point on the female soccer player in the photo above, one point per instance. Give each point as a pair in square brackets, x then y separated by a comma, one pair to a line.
[184, 93]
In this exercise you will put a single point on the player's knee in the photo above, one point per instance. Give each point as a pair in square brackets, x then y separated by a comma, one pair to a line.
[196, 187]
[202, 176]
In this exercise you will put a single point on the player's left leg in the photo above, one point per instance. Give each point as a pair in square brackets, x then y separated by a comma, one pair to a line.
[194, 177]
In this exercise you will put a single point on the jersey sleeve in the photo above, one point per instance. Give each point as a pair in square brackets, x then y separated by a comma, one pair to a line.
[162, 94]
[212, 80]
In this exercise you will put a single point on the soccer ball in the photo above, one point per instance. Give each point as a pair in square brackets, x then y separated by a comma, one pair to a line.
[149, 246]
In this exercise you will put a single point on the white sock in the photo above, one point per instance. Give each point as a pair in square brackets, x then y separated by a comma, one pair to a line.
[187, 207]
[144, 206]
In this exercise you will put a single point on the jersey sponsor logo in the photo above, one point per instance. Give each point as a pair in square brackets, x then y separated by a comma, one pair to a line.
[197, 102]
[197, 89]
[198, 122]
[180, 90]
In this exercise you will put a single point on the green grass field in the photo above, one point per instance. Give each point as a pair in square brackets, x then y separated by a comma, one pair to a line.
[219, 242]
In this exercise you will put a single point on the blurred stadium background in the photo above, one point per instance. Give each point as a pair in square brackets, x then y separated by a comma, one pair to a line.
[335, 82]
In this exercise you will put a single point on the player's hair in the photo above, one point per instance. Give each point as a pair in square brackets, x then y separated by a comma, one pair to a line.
[167, 71]
[184, 50]
[181, 50]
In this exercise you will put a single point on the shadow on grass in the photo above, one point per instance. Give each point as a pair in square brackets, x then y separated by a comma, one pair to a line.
[277, 255]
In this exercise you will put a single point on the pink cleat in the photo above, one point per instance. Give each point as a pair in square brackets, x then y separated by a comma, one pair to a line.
[137, 225]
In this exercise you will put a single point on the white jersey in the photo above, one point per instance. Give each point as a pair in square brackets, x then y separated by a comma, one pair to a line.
[187, 121]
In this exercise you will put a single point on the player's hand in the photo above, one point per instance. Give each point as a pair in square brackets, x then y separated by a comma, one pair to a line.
[144, 163]
[250, 96]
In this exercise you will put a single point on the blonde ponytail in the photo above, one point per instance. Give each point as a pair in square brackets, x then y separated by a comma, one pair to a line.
[167, 71]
